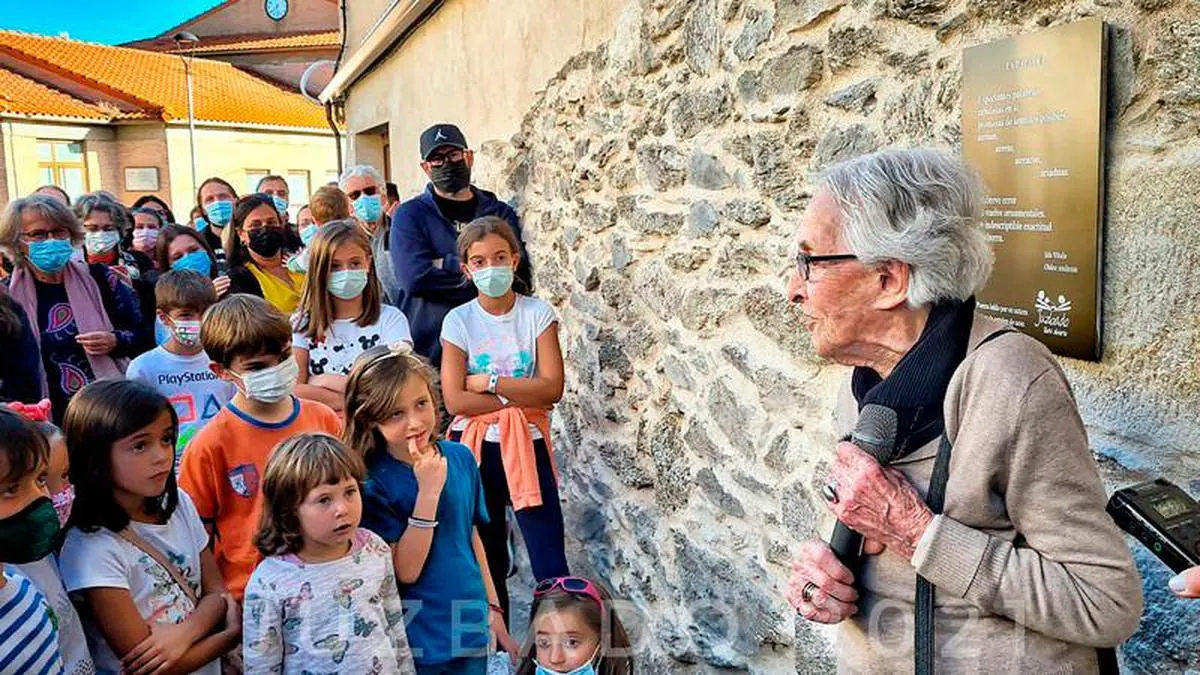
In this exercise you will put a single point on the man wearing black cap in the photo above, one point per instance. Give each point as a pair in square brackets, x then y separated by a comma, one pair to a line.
[424, 234]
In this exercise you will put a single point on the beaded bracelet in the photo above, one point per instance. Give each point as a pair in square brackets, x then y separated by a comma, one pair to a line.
[422, 523]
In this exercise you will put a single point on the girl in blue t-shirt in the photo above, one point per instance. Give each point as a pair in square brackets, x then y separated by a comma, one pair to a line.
[424, 497]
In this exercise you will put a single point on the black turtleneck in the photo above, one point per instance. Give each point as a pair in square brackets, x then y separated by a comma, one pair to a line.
[455, 211]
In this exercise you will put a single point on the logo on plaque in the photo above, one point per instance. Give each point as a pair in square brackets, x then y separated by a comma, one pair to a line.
[1053, 316]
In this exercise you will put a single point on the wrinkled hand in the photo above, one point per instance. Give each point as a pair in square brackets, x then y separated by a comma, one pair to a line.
[877, 502]
[97, 343]
[166, 644]
[1186, 584]
[478, 383]
[504, 641]
[833, 598]
[221, 283]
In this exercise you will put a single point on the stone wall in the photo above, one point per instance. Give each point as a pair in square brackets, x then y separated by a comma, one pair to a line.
[660, 178]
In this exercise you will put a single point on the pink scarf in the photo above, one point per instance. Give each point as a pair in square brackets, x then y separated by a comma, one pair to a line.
[86, 304]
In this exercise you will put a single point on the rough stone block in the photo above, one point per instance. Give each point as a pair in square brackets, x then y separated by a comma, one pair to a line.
[702, 219]
[858, 97]
[711, 486]
[755, 31]
[706, 172]
[702, 37]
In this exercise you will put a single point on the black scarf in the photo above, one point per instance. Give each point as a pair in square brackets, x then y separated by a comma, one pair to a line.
[917, 386]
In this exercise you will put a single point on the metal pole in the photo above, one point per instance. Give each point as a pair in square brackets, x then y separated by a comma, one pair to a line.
[187, 67]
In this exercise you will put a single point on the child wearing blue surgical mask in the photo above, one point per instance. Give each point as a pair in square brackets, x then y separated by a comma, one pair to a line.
[340, 314]
[502, 373]
[574, 630]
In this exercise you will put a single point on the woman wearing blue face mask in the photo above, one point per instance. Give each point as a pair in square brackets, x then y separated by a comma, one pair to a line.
[364, 187]
[216, 197]
[87, 317]
[182, 248]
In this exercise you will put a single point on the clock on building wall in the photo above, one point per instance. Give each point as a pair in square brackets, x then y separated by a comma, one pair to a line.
[276, 9]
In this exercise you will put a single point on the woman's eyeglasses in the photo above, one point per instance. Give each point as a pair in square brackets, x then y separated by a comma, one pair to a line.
[804, 261]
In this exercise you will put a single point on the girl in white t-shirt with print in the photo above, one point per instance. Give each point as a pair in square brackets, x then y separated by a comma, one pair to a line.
[340, 314]
[136, 540]
[502, 372]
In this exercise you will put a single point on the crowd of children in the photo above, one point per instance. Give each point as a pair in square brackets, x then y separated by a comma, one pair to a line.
[275, 486]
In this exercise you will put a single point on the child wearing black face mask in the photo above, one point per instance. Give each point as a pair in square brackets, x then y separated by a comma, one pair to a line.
[39, 627]
[256, 251]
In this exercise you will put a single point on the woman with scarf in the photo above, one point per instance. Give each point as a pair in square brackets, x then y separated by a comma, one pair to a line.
[987, 546]
[87, 317]
[254, 245]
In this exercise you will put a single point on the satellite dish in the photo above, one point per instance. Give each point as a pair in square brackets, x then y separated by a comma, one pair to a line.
[308, 73]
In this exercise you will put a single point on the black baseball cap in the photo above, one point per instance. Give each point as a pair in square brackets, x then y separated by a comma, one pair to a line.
[439, 135]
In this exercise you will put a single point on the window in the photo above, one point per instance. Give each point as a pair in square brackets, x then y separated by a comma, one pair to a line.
[62, 163]
[298, 190]
[252, 178]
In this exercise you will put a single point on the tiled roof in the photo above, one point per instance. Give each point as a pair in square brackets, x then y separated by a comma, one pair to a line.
[225, 44]
[23, 96]
[156, 83]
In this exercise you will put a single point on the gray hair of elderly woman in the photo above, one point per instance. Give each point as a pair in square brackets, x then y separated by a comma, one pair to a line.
[361, 170]
[920, 207]
[12, 223]
[96, 202]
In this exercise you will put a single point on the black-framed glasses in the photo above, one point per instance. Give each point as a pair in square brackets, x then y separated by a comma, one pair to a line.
[39, 236]
[443, 157]
[369, 190]
[804, 261]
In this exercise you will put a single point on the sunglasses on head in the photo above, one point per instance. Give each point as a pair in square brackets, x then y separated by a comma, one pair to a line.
[572, 585]
[369, 190]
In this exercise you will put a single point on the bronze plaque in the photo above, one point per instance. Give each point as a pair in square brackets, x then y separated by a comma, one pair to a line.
[1033, 111]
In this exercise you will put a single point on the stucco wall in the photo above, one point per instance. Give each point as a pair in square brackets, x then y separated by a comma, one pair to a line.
[228, 153]
[660, 177]
[477, 63]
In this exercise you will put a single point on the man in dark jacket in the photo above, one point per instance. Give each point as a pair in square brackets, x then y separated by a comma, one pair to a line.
[424, 235]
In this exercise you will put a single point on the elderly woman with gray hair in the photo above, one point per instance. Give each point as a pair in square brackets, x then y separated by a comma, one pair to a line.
[87, 317]
[987, 547]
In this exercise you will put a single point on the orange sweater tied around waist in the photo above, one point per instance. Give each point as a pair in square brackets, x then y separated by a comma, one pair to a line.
[516, 448]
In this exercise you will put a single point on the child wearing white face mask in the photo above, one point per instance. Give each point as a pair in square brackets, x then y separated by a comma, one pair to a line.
[250, 344]
[179, 368]
[340, 314]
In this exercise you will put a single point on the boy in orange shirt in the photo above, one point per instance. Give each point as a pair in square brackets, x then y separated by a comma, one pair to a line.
[250, 344]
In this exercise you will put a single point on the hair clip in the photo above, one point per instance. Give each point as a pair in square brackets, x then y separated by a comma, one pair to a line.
[34, 412]
[400, 347]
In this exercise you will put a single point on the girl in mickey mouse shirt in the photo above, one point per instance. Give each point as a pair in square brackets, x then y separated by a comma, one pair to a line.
[340, 314]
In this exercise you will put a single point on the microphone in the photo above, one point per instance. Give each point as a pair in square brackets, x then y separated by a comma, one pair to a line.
[874, 434]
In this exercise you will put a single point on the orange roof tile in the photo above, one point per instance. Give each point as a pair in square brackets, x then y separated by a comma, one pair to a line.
[224, 44]
[156, 82]
[23, 96]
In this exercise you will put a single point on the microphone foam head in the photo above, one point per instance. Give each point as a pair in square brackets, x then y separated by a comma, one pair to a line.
[875, 431]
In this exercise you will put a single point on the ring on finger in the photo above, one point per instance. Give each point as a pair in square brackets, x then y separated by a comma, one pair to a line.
[810, 589]
[829, 492]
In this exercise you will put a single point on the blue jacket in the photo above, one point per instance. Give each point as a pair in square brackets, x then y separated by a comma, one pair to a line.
[420, 234]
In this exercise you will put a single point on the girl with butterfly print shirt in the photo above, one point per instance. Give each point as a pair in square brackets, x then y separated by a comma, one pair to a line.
[324, 599]
[340, 314]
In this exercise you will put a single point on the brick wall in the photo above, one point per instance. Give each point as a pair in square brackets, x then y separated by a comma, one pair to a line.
[140, 145]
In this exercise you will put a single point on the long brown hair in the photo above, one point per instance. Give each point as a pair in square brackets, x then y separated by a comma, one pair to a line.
[615, 652]
[373, 388]
[316, 302]
[295, 467]
[214, 179]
